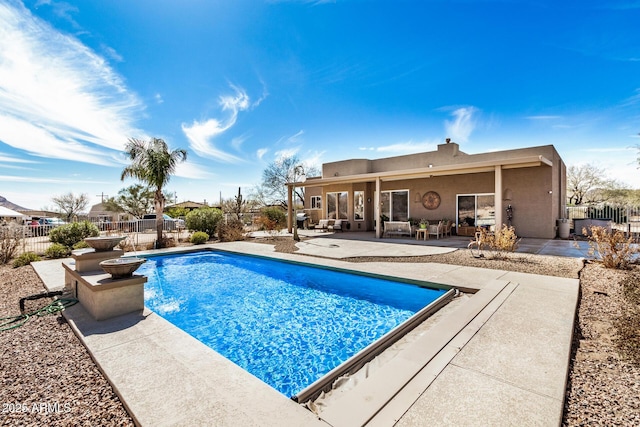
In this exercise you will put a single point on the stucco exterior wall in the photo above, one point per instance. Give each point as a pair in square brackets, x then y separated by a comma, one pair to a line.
[537, 194]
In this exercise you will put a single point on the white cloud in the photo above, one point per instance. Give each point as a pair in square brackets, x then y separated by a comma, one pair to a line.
[287, 152]
[261, 152]
[66, 99]
[200, 134]
[158, 98]
[463, 124]
[192, 170]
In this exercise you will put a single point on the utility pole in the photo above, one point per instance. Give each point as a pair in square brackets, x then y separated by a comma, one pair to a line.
[102, 196]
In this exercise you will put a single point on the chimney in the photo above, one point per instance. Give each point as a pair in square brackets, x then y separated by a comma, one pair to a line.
[449, 148]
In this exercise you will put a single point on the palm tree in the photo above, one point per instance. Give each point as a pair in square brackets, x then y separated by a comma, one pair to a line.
[153, 164]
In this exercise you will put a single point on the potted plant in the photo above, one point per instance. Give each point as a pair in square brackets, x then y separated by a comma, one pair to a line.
[424, 223]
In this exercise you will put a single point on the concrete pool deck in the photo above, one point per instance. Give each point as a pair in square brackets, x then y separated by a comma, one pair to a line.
[499, 359]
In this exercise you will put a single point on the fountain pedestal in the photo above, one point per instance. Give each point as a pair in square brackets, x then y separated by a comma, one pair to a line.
[98, 292]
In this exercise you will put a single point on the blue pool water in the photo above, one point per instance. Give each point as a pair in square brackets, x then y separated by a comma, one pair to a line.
[287, 324]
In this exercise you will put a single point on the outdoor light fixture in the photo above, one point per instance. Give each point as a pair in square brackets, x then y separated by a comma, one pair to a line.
[430, 165]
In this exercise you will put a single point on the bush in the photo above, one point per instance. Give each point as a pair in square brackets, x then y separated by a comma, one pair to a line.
[10, 239]
[199, 237]
[232, 231]
[628, 324]
[70, 234]
[272, 219]
[26, 259]
[81, 245]
[614, 250]
[502, 242]
[204, 219]
[57, 250]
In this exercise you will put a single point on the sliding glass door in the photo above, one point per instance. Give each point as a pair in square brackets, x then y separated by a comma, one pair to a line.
[476, 210]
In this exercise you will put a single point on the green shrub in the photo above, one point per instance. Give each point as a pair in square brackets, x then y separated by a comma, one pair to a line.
[204, 219]
[57, 250]
[272, 218]
[70, 234]
[81, 245]
[232, 231]
[199, 237]
[26, 259]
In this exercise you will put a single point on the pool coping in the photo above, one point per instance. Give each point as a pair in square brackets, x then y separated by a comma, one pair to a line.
[507, 365]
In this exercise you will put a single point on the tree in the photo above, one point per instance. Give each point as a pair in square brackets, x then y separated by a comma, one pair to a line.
[238, 205]
[136, 200]
[71, 205]
[153, 164]
[587, 184]
[277, 175]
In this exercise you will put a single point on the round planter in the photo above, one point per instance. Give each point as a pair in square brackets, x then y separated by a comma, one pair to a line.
[104, 243]
[121, 267]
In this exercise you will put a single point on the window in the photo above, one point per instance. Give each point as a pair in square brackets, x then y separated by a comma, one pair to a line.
[476, 210]
[358, 205]
[394, 205]
[316, 202]
[337, 204]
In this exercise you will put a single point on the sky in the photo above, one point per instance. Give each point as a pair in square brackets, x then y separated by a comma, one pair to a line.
[240, 84]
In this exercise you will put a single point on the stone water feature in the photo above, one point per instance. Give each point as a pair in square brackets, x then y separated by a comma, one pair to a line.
[103, 281]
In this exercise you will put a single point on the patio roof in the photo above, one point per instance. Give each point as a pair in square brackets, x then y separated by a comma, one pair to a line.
[428, 172]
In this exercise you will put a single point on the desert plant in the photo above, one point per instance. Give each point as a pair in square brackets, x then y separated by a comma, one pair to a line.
[272, 218]
[204, 219]
[232, 231]
[502, 242]
[613, 249]
[70, 234]
[199, 237]
[10, 240]
[26, 259]
[628, 324]
[57, 250]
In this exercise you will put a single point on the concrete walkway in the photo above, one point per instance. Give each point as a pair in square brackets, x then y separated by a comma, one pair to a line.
[500, 357]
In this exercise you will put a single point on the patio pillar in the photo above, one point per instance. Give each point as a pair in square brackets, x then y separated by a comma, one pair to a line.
[289, 208]
[376, 209]
[498, 196]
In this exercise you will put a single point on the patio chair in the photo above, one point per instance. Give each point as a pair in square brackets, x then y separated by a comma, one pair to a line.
[323, 225]
[337, 225]
[436, 230]
[446, 229]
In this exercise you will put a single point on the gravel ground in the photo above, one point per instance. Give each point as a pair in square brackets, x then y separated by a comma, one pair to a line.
[48, 378]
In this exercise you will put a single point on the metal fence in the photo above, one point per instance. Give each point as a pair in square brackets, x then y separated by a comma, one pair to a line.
[623, 218]
[140, 234]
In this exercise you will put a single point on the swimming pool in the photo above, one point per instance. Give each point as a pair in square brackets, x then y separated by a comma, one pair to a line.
[288, 324]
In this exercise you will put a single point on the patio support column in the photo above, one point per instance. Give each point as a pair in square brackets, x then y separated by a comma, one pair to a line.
[498, 196]
[376, 209]
[289, 208]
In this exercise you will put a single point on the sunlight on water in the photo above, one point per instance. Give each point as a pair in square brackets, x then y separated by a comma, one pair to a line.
[286, 324]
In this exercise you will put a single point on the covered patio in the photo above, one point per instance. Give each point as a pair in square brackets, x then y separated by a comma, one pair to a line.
[471, 190]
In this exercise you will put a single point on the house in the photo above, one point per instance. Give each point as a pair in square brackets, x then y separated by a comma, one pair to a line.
[523, 187]
[99, 213]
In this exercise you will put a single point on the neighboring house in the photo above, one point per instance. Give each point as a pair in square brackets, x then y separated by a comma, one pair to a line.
[470, 189]
[98, 213]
